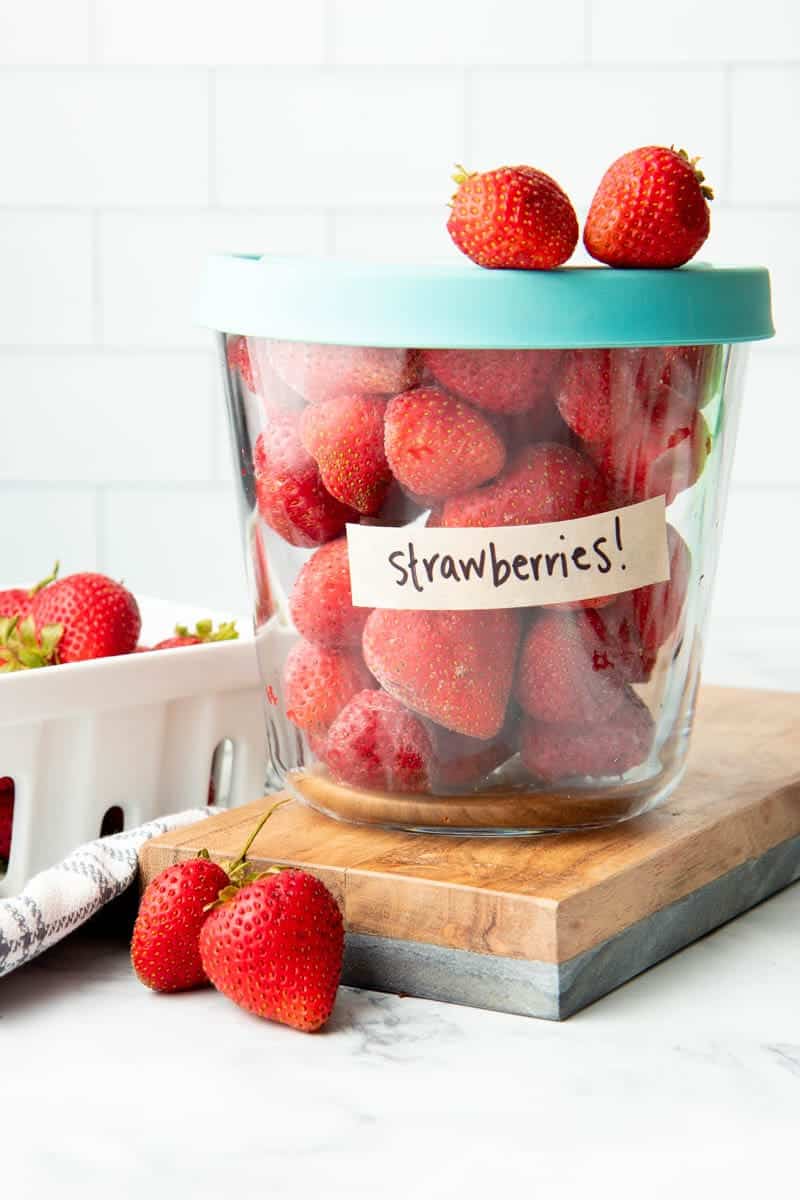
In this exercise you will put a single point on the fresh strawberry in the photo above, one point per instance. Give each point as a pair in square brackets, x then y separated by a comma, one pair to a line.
[375, 742]
[6, 816]
[438, 446]
[323, 372]
[321, 604]
[204, 632]
[17, 602]
[345, 436]
[543, 482]
[558, 677]
[514, 217]
[558, 752]
[99, 616]
[501, 381]
[454, 667]
[650, 210]
[239, 360]
[658, 607]
[660, 452]
[290, 493]
[164, 950]
[275, 949]
[318, 681]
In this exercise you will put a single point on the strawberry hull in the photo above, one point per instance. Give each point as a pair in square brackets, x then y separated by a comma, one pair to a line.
[486, 504]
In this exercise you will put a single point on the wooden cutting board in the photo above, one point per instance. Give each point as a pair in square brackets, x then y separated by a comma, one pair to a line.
[544, 926]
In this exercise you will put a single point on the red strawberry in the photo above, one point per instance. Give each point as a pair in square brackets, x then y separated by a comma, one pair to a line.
[321, 604]
[345, 436]
[438, 446]
[17, 602]
[375, 742]
[323, 372]
[559, 679]
[164, 949]
[612, 641]
[6, 816]
[276, 949]
[657, 608]
[543, 482]
[100, 617]
[239, 360]
[318, 681]
[650, 210]
[501, 381]
[691, 371]
[661, 451]
[454, 667]
[596, 390]
[204, 632]
[512, 217]
[555, 752]
[289, 490]
[463, 762]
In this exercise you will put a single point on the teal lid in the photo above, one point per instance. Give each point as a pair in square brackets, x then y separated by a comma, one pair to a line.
[461, 305]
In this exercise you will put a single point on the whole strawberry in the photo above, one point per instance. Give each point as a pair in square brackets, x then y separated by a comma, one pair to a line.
[100, 617]
[514, 217]
[321, 604]
[276, 949]
[164, 949]
[204, 631]
[650, 210]
[345, 437]
[239, 360]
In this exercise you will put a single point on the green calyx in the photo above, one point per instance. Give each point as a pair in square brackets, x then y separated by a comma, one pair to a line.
[239, 871]
[707, 191]
[23, 648]
[226, 631]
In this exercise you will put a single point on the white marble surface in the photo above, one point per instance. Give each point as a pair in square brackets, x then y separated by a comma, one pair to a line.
[683, 1083]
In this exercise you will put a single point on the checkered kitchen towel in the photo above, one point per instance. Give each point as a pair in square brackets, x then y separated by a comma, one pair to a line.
[58, 900]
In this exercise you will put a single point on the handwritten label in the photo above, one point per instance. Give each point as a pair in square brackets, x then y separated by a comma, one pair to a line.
[513, 566]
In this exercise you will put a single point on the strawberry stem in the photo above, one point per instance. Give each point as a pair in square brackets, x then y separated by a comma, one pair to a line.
[238, 862]
[462, 174]
[51, 578]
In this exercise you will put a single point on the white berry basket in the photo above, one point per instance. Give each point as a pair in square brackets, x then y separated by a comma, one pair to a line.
[130, 738]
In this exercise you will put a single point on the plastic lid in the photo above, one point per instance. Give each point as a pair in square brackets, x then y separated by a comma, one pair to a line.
[461, 305]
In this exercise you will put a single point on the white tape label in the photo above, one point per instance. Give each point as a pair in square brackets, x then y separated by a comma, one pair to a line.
[513, 566]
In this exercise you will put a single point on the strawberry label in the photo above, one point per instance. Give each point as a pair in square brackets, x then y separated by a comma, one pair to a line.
[513, 566]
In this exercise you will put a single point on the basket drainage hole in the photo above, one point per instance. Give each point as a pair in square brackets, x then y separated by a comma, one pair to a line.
[221, 773]
[113, 821]
[6, 820]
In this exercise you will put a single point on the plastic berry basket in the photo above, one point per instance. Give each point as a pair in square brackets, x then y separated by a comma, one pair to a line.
[114, 742]
[482, 512]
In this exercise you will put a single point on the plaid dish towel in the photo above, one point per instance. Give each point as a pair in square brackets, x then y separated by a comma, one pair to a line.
[58, 900]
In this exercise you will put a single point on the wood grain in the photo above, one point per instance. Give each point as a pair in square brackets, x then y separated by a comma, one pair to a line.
[548, 898]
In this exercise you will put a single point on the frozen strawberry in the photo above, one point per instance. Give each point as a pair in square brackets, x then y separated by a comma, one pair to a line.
[691, 371]
[558, 677]
[541, 424]
[345, 436]
[660, 452]
[318, 681]
[542, 482]
[612, 640]
[321, 605]
[375, 742]
[657, 608]
[554, 752]
[291, 496]
[322, 372]
[596, 390]
[462, 762]
[501, 381]
[438, 446]
[454, 667]
[238, 356]
[512, 217]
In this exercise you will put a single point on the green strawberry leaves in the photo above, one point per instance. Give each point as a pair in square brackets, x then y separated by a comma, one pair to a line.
[23, 648]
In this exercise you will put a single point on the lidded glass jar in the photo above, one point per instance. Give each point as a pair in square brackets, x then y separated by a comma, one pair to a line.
[481, 513]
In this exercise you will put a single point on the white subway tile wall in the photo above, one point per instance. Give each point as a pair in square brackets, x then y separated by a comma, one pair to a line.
[137, 138]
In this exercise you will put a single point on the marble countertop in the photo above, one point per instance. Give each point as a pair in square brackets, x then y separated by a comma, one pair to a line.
[685, 1082]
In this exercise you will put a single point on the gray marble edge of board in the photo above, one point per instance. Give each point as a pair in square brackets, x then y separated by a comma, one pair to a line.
[555, 991]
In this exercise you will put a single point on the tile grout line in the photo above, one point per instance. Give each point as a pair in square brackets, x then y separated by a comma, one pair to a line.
[96, 270]
[211, 148]
[727, 131]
